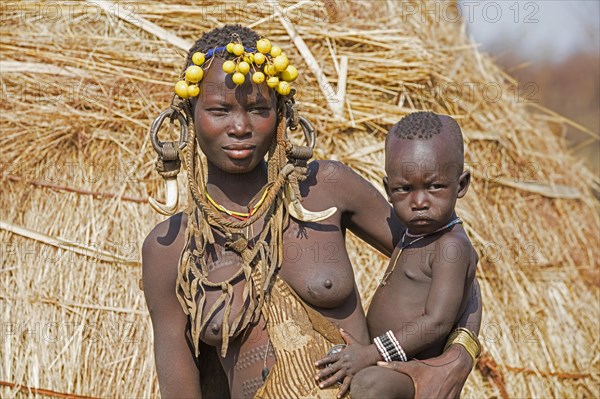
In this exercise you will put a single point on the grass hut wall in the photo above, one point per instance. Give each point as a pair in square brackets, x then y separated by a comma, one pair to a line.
[80, 84]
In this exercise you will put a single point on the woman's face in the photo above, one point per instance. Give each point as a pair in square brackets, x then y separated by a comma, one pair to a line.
[234, 124]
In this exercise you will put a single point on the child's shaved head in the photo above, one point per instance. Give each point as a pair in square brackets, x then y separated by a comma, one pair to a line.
[424, 125]
[419, 125]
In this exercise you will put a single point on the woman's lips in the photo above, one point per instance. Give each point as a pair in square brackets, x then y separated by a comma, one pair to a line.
[239, 151]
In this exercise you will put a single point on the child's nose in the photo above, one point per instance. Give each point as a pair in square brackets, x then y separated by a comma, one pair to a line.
[419, 201]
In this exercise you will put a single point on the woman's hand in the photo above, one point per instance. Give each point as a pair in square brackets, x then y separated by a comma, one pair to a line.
[342, 366]
[440, 377]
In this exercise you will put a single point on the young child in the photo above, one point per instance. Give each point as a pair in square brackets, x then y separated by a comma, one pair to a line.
[425, 288]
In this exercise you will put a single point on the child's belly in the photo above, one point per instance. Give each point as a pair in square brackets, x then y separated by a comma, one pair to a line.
[389, 310]
[398, 305]
[400, 301]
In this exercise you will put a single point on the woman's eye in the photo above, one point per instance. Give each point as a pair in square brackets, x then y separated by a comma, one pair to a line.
[260, 110]
[218, 111]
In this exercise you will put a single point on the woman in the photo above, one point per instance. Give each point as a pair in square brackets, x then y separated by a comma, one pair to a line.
[249, 270]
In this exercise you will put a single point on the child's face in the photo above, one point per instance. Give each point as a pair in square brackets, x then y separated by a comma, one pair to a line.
[234, 124]
[424, 179]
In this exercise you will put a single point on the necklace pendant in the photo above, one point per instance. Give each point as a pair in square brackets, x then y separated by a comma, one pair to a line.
[383, 280]
[265, 373]
[237, 236]
[237, 242]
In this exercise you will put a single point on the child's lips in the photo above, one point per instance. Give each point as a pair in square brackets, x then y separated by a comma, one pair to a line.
[421, 220]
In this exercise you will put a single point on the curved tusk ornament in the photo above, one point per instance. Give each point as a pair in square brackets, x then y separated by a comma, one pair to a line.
[170, 207]
[298, 212]
[168, 163]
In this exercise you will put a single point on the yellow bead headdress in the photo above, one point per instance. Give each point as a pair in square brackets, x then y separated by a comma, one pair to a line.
[267, 63]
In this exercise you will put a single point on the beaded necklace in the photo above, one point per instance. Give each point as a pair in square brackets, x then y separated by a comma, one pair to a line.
[418, 237]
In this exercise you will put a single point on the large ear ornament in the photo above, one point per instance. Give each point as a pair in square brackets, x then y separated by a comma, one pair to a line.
[172, 199]
[168, 162]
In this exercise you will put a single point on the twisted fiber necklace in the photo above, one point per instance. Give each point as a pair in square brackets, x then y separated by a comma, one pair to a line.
[418, 237]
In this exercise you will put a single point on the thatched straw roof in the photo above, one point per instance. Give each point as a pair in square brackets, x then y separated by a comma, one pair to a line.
[80, 85]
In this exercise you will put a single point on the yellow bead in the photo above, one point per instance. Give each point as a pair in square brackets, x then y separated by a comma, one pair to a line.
[275, 51]
[273, 82]
[259, 58]
[243, 67]
[194, 74]
[249, 58]
[270, 69]
[263, 45]
[193, 90]
[229, 47]
[289, 74]
[181, 89]
[283, 88]
[198, 58]
[238, 49]
[229, 66]
[281, 62]
[238, 78]
[258, 77]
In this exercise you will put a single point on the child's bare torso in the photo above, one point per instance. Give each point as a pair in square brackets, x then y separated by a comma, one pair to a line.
[402, 299]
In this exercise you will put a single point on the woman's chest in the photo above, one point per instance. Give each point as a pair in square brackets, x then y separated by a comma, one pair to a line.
[316, 264]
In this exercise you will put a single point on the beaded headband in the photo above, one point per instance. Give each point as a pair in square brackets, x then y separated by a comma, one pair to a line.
[267, 62]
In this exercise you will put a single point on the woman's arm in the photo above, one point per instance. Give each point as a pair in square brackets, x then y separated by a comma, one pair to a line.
[471, 317]
[365, 211]
[178, 375]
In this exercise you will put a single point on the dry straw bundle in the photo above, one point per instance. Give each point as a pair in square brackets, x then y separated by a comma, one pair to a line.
[81, 82]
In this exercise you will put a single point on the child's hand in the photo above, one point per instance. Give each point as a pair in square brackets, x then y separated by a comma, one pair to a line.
[342, 366]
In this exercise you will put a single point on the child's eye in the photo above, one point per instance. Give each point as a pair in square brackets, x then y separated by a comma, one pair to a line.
[437, 186]
[402, 189]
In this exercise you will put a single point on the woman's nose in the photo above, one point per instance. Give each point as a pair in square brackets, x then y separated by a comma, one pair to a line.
[240, 124]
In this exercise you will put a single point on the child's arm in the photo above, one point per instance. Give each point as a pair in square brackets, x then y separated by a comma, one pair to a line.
[452, 268]
[444, 376]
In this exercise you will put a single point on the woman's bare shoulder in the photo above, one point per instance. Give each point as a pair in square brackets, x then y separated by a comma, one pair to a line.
[348, 188]
[167, 234]
[334, 177]
[329, 171]
[161, 251]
